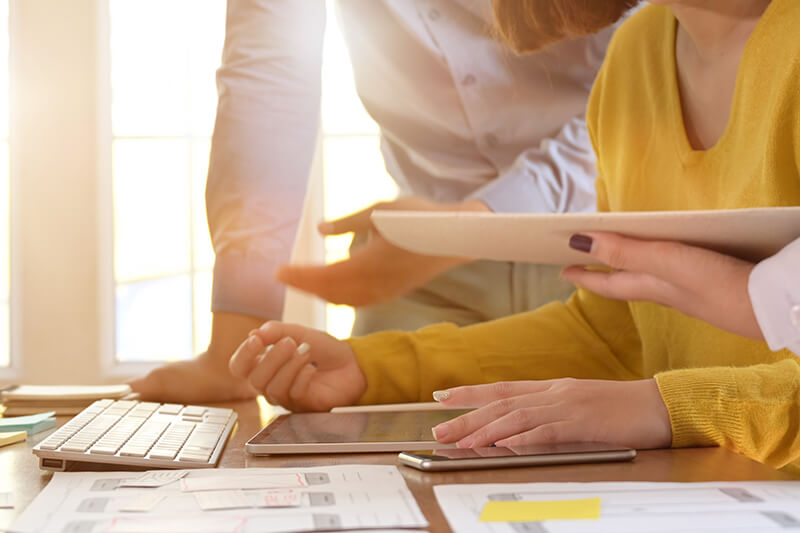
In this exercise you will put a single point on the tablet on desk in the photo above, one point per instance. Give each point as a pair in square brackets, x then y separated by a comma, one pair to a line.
[351, 432]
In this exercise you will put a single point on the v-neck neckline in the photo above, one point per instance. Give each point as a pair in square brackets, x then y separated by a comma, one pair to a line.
[687, 153]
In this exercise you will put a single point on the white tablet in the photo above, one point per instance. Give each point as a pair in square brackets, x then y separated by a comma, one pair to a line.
[350, 432]
[751, 234]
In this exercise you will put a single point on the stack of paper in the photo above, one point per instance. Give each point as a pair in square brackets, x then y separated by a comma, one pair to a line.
[11, 437]
[64, 400]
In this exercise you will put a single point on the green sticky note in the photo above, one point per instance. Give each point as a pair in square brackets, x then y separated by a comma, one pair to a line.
[535, 511]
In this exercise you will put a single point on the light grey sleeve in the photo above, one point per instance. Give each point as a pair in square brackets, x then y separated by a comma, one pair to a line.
[555, 177]
[263, 144]
[774, 288]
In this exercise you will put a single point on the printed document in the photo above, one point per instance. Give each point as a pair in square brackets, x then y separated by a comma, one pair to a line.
[243, 501]
[735, 507]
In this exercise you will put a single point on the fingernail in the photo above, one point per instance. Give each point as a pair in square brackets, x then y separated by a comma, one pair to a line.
[441, 395]
[302, 349]
[325, 227]
[582, 243]
[439, 432]
[466, 442]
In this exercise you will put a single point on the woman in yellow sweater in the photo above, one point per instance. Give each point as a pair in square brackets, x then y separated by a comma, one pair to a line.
[696, 107]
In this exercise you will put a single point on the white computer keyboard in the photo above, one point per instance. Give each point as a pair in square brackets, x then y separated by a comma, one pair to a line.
[128, 432]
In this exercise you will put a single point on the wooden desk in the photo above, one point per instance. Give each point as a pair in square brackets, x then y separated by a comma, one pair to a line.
[19, 468]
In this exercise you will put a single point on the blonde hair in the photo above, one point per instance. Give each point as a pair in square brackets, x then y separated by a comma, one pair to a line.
[530, 25]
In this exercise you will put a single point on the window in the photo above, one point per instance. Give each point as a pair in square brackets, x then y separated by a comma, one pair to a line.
[109, 228]
[163, 101]
[5, 355]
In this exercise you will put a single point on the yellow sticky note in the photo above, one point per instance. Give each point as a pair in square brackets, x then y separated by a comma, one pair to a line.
[12, 437]
[534, 511]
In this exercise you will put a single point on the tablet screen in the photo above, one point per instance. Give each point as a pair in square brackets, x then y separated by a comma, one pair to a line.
[353, 427]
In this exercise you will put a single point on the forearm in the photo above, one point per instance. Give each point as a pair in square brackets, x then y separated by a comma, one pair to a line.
[752, 410]
[552, 342]
[263, 143]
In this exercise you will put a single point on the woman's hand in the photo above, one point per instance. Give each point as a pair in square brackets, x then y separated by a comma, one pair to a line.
[299, 368]
[517, 413]
[695, 281]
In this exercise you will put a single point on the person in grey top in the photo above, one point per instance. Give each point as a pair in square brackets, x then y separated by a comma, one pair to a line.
[465, 125]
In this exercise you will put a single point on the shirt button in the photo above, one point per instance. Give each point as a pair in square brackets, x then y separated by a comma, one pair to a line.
[468, 80]
[795, 314]
[491, 140]
[434, 14]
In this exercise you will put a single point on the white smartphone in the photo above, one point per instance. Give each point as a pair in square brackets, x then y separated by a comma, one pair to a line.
[496, 457]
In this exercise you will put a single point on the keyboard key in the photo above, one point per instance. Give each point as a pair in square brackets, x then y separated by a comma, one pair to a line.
[170, 409]
[194, 411]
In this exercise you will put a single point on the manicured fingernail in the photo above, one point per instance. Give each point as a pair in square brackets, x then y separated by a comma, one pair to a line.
[582, 243]
[466, 442]
[441, 395]
[302, 349]
[439, 431]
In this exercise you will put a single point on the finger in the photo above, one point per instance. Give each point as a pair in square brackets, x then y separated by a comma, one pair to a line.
[666, 260]
[269, 364]
[622, 285]
[352, 281]
[298, 393]
[356, 222]
[465, 425]
[517, 421]
[479, 395]
[550, 433]
[321, 280]
[244, 358]
[279, 386]
[273, 331]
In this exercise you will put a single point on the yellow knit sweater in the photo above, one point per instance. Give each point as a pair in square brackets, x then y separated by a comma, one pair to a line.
[719, 388]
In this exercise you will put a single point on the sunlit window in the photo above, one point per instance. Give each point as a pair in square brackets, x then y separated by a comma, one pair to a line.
[163, 107]
[164, 54]
[4, 189]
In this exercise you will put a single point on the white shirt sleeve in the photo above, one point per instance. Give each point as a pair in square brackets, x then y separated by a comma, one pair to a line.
[263, 144]
[774, 288]
[555, 177]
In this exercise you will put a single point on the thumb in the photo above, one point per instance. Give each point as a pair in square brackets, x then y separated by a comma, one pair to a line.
[358, 221]
[621, 253]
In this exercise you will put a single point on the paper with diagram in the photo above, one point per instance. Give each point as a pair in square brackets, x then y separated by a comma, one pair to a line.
[736, 507]
[752, 234]
[242, 501]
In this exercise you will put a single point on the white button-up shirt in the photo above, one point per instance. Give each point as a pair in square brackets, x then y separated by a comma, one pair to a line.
[774, 288]
[460, 116]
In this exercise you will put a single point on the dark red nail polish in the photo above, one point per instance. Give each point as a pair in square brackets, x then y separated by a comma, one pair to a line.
[582, 243]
